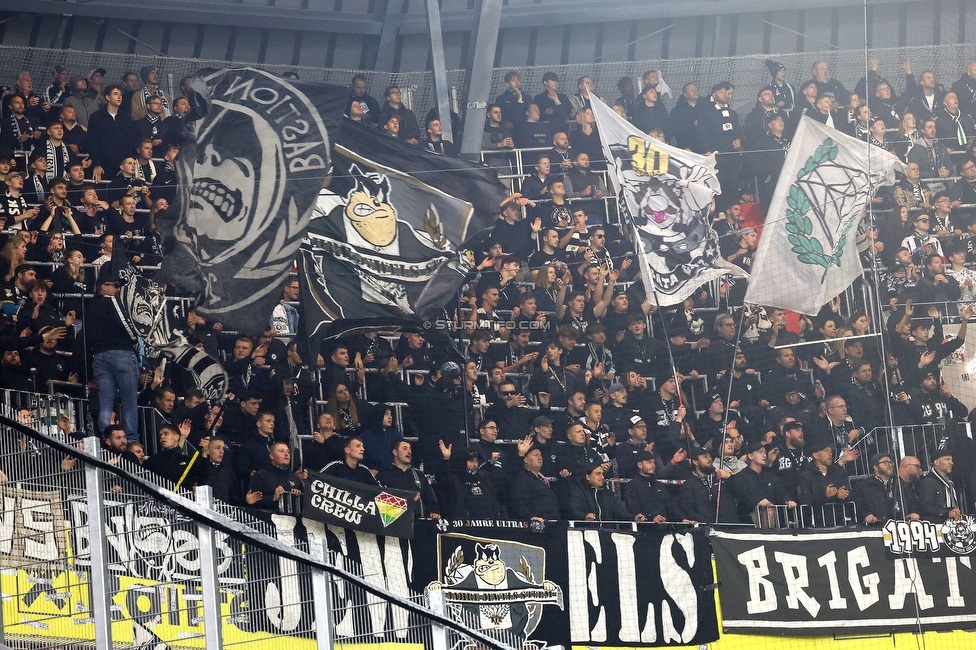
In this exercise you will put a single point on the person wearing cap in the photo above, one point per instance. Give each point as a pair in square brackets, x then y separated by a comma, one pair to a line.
[466, 490]
[512, 413]
[616, 413]
[937, 496]
[875, 495]
[822, 483]
[23, 280]
[35, 183]
[532, 496]
[806, 105]
[755, 486]
[542, 439]
[95, 79]
[114, 362]
[706, 491]
[865, 396]
[709, 424]
[150, 89]
[645, 497]
[590, 500]
[793, 457]
[742, 386]
[784, 95]
[721, 133]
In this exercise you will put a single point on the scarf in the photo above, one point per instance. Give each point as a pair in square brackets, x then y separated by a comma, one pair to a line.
[18, 131]
[951, 501]
[146, 96]
[960, 132]
[57, 160]
[141, 171]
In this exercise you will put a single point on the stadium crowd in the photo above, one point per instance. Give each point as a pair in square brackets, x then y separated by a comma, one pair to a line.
[571, 378]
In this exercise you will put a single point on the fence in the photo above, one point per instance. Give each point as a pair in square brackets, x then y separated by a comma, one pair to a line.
[748, 74]
[94, 554]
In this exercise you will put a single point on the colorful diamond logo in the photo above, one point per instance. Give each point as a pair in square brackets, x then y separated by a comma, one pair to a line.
[391, 507]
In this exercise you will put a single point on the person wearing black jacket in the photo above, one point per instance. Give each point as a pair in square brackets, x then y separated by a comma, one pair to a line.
[402, 476]
[589, 499]
[110, 136]
[468, 490]
[252, 455]
[276, 488]
[647, 498]
[216, 473]
[755, 486]
[115, 366]
[171, 462]
[823, 484]
[875, 495]
[702, 493]
[937, 497]
[532, 498]
[351, 467]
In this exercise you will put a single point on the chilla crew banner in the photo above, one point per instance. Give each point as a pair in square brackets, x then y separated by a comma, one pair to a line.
[367, 508]
[806, 583]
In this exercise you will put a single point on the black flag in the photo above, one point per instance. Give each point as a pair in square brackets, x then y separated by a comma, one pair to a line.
[250, 169]
[384, 246]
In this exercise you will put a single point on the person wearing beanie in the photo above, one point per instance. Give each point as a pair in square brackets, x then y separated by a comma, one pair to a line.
[150, 79]
[784, 95]
[937, 496]
[705, 492]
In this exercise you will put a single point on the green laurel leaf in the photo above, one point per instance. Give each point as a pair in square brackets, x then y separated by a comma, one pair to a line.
[799, 226]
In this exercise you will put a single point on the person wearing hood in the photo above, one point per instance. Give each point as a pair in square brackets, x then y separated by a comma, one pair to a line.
[79, 99]
[591, 501]
[140, 99]
[379, 438]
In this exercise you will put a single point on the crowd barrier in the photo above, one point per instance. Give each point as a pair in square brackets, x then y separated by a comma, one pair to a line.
[92, 553]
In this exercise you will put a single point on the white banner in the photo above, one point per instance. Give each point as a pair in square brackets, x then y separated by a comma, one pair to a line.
[808, 252]
[666, 194]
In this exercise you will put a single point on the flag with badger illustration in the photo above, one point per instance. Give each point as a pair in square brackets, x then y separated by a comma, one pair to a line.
[385, 244]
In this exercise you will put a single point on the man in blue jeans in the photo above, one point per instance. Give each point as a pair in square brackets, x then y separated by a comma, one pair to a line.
[111, 341]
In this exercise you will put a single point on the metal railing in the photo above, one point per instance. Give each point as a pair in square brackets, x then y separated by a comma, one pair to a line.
[98, 555]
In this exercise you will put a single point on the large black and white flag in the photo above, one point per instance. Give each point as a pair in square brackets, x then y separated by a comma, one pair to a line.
[250, 169]
[384, 246]
[667, 195]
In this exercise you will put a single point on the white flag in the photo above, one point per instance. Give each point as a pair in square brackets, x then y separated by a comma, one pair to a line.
[808, 251]
[665, 197]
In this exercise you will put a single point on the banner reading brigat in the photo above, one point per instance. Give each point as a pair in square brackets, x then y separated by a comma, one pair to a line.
[368, 508]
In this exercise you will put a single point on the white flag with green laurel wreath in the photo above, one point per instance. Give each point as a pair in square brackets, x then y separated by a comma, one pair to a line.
[808, 251]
